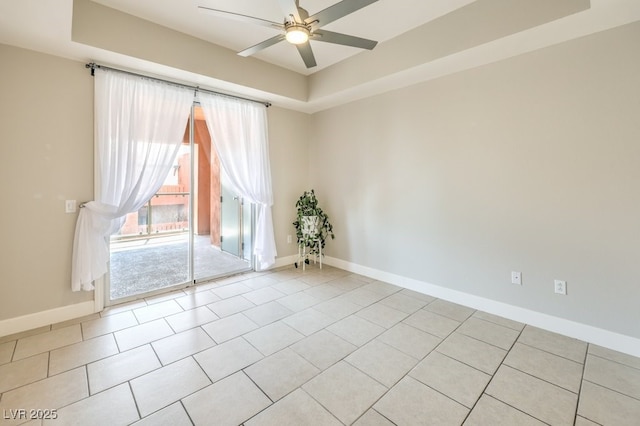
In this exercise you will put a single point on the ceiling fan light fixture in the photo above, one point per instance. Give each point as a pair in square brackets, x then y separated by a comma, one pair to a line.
[297, 34]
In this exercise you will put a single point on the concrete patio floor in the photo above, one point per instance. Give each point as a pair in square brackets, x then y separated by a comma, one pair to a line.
[142, 265]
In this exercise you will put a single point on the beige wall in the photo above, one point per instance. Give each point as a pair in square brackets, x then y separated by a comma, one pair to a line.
[530, 164]
[289, 155]
[46, 148]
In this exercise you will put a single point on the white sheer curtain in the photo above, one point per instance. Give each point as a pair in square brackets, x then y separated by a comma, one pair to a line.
[238, 131]
[139, 126]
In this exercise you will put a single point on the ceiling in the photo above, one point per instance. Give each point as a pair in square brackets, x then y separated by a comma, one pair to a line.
[380, 21]
[405, 29]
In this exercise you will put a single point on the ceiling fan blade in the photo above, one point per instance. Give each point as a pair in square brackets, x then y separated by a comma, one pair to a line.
[337, 11]
[262, 45]
[290, 7]
[241, 18]
[344, 39]
[307, 54]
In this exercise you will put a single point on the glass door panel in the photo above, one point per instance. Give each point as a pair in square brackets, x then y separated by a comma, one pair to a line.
[230, 215]
[192, 229]
[151, 250]
[247, 231]
[216, 232]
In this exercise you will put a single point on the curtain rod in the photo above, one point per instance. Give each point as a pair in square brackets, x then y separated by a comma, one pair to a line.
[93, 66]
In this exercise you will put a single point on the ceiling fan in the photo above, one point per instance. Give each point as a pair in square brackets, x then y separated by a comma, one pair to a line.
[298, 27]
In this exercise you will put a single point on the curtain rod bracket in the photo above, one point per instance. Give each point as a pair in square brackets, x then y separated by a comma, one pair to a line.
[91, 65]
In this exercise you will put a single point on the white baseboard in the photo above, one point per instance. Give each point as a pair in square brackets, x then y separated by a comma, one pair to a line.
[284, 261]
[587, 333]
[43, 318]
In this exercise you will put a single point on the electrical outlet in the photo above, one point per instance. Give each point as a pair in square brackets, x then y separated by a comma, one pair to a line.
[289, 239]
[516, 278]
[560, 287]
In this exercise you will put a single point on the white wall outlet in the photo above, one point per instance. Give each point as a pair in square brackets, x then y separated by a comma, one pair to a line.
[70, 206]
[516, 278]
[289, 239]
[560, 287]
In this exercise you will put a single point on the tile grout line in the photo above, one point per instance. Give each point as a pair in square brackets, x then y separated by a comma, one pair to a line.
[519, 330]
[495, 324]
[185, 409]
[258, 386]
[135, 401]
[86, 366]
[13, 352]
[622, 364]
[484, 341]
[542, 380]
[551, 353]
[517, 409]
[493, 375]
[48, 364]
[86, 374]
[263, 392]
[610, 389]
[584, 367]
[462, 362]
[319, 402]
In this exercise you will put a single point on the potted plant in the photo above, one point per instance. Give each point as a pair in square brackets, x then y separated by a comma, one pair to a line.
[312, 226]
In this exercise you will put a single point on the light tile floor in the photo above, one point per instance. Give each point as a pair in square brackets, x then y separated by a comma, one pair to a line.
[320, 347]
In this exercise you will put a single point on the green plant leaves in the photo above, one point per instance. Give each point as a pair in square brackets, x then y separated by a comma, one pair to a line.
[307, 205]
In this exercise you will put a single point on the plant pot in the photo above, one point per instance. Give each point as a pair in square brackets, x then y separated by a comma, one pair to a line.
[310, 226]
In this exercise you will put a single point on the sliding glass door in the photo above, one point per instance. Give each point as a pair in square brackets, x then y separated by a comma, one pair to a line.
[210, 222]
[184, 233]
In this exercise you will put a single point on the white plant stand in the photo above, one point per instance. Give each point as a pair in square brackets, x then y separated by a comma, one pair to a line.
[309, 232]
